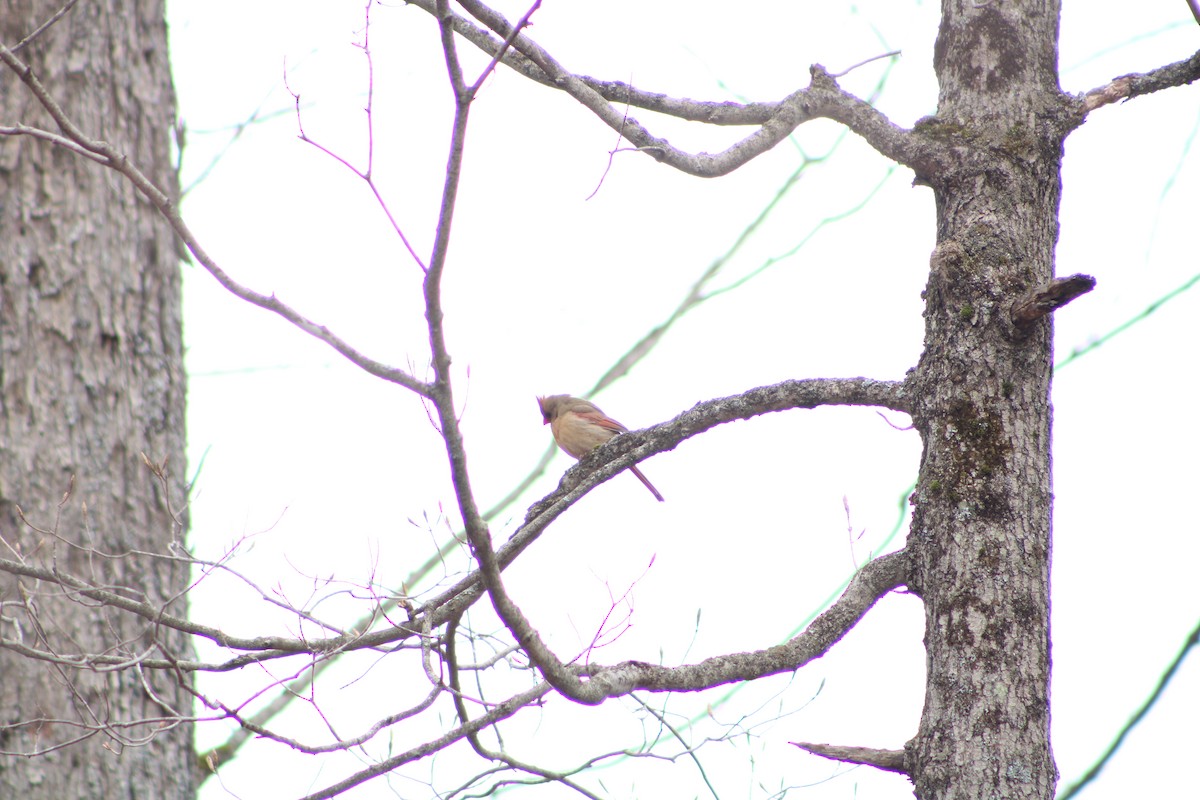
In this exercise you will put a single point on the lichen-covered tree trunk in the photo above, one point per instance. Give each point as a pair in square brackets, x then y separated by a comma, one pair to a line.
[91, 379]
[981, 525]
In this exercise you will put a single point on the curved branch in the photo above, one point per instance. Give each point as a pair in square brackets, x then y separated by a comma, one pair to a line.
[40, 29]
[872, 582]
[635, 446]
[777, 120]
[711, 112]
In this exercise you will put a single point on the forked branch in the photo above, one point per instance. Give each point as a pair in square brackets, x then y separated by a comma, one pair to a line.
[775, 120]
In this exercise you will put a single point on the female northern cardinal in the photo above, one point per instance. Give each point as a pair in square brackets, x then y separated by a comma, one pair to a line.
[579, 427]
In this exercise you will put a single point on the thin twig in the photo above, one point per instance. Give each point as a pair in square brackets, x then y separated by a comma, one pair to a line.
[1192, 640]
[864, 62]
[62, 12]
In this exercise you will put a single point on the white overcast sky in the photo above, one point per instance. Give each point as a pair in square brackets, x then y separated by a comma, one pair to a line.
[326, 468]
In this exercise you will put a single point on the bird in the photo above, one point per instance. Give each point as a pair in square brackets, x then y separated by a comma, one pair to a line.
[579, 427]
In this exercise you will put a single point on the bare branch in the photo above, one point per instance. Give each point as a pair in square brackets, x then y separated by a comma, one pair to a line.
[822, 99]
[635, 446]
[687, 749]
[522, 23]
[1049, 298]
[876, 579]
[114, 729]
[889, 760]
[441, 389]
[487, 753]
[1127, 87]
[55, 17]
[270, 646]
[594, 684]
[213, 758]
[709, 112]
[53, 138]
[864, 62]
[367, 175]
[499, 712]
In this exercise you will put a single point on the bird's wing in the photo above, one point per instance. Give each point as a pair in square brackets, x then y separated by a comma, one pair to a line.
[604, 422]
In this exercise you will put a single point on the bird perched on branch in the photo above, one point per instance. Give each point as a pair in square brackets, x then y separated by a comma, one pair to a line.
[579, 427]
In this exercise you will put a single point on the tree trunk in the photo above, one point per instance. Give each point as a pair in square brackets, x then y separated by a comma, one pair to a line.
[91, 377]
[981, 523]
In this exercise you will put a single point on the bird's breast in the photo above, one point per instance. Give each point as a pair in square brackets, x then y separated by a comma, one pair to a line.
[578, 436]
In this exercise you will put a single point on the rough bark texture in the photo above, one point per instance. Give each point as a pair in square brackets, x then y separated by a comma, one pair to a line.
[90, 378]
[981, 524]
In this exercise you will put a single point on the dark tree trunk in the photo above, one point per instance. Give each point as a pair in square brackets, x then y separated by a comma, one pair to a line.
[91, 378]
[981, 525]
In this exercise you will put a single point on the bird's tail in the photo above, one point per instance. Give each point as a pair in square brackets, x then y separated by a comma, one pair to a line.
[638, 474]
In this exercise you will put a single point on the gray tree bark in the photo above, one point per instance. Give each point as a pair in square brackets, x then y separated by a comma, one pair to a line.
[981, 525]
[91, 378]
